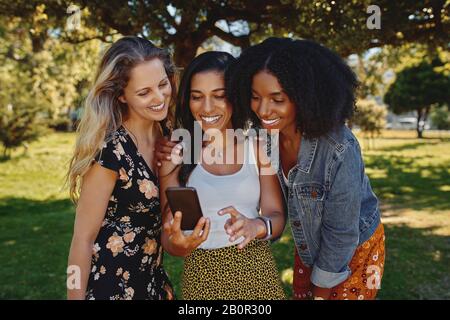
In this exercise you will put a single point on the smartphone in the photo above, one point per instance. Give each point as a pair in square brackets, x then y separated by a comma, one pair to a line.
[185, 199]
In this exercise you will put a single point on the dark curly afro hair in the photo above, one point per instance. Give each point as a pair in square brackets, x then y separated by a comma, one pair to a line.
[320, 84]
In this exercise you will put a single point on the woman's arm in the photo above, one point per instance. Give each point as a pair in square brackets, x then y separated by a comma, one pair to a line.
[98, 184]
[271, 202]
[173, 240]
[271, 205]
[340, 224]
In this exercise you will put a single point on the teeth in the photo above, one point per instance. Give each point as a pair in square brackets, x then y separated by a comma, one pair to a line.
[270, 121]
[158, 108]
[210, 119]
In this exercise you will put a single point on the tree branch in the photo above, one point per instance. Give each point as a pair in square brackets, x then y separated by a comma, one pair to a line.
[82, 40]
[240, 41]
[10, 55]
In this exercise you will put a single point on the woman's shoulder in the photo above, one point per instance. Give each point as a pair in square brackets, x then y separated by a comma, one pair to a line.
[341, 134]
[339, 145]
[339, 140]
[116, 139]
[112, 151]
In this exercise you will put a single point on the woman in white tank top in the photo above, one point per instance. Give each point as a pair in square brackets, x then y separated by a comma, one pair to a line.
[227, 255]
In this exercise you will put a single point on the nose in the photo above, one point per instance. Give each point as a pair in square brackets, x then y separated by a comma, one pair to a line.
[208, 106]
[159, 97]
[263, 109]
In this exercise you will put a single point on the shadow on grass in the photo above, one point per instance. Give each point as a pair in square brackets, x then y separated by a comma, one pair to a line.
[416, 264]
[12, 206]
[411, 185]
[4, 158]
[34, 243]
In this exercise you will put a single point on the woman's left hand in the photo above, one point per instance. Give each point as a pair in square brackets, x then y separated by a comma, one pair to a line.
[240, 226]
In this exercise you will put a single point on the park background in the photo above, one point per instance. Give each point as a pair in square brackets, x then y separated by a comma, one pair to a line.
[398, 49]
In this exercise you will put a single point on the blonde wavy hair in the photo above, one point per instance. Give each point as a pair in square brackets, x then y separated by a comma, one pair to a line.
[103, 112]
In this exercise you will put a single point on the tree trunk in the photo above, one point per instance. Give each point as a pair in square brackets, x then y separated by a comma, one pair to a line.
[185, 50]
[419, 132]
[6, 154]
[422, 116]
[419, 127]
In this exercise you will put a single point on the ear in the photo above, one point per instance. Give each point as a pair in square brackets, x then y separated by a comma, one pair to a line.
[122, 99]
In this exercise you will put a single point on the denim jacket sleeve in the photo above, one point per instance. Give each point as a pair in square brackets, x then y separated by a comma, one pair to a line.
[340, 220]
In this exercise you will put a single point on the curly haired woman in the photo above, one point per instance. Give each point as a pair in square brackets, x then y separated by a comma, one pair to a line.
[306, 91]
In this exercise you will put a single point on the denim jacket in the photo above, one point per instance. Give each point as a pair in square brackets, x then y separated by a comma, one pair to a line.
[330, 203]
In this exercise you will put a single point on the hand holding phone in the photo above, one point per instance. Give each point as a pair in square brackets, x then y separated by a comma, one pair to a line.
[187, 215]
[185, 199]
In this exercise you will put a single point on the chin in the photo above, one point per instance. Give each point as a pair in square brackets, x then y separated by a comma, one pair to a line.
[270, 128]
[158, 116]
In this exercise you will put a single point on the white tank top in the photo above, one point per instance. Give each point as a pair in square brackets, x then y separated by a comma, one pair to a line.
[240, 190]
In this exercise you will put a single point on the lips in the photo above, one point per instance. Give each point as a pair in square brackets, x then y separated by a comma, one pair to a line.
[270, 122]
[157, 108]
[211, 119]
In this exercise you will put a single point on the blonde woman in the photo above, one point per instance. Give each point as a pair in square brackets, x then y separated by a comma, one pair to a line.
[116, 243]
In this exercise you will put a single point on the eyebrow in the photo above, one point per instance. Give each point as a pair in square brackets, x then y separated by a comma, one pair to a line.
[215, 90]
[165, 78]
[277, 93]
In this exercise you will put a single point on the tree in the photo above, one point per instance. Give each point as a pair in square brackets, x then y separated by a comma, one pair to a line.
[370, 117]
[185, 25]
[441, 118]
[418, 88]
[18, 125]
[51, 73]
[40, 77]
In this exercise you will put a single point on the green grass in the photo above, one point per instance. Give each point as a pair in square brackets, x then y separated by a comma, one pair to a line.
[411, 176]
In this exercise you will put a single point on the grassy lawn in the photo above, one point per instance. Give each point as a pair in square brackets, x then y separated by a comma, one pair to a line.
[411, 176]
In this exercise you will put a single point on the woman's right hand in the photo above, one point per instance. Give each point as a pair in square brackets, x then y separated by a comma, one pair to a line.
[183, 244]
[168, 155]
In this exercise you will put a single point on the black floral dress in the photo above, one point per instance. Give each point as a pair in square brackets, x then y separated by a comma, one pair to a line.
[127, 254]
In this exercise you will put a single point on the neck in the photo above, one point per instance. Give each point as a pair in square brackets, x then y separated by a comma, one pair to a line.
[290, 135]
[142, 129]
[225, 142]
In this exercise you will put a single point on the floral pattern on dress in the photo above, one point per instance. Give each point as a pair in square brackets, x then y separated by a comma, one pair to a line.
[127, 253]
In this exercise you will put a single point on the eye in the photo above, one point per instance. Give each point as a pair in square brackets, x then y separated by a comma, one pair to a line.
[143, 94]
[162, 85]
[220, 97]
[255, 98]
[196, 98]
[277, 101]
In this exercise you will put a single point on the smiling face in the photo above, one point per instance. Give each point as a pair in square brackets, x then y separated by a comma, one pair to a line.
[148, 91]
[271, 104]
[207, 101]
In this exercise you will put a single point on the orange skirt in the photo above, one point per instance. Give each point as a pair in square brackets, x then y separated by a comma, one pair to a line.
[367, 266]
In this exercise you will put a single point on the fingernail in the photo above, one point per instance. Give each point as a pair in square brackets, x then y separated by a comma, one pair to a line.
[168, 157]
[159, 164]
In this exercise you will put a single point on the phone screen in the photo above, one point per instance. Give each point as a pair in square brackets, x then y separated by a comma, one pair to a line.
[185, 199]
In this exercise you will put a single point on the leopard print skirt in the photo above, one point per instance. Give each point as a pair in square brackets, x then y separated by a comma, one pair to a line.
[232, 274]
